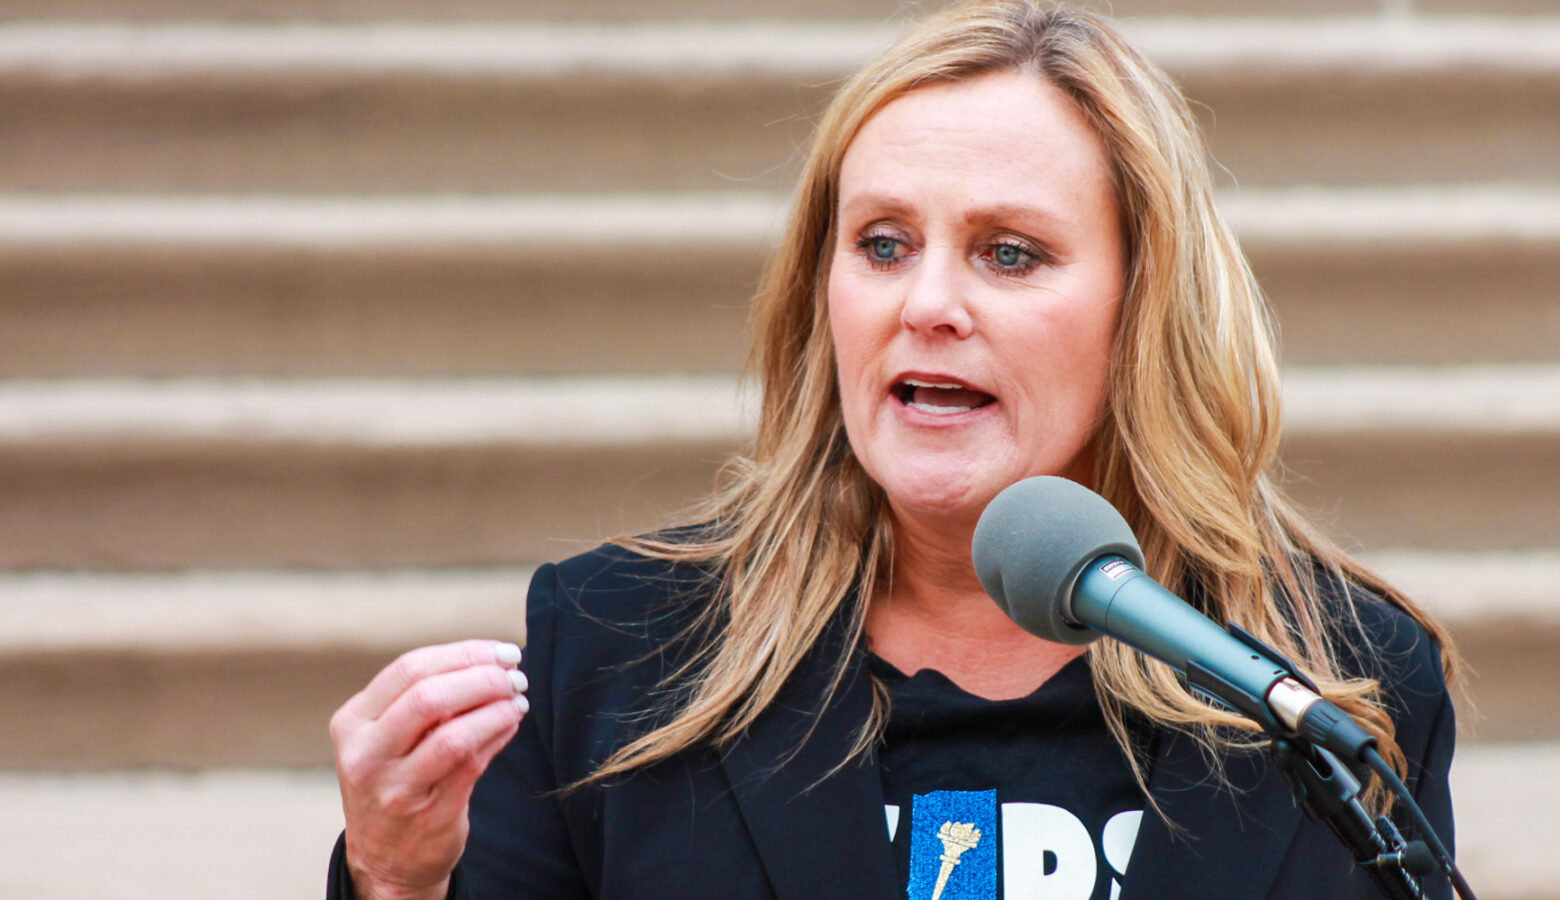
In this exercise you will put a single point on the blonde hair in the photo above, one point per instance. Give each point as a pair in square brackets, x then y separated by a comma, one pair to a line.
[799, 537]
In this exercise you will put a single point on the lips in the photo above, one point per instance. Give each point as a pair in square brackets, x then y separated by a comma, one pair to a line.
[940, 397]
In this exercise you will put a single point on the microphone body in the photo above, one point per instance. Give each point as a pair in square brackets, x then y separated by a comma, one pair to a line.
[1064, 565]
[1114, 597]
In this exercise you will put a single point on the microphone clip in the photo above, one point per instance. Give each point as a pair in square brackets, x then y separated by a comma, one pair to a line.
[1328, 792]
[1209, 684]
[1273, 656]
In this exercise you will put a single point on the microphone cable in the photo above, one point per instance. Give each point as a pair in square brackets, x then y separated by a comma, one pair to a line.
[1421, 823]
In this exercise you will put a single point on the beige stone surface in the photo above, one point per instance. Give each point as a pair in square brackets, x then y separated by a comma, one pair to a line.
[493, 285]
[267, 834]
[639, 10]
[1506, 796]
[237, 835]
[678, 105]
[424, 192]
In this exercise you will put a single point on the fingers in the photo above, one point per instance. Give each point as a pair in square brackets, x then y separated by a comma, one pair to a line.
[424, 662]
[426, 687]
[452, 756]
[409, 749]
[451, 797]
[441, 698]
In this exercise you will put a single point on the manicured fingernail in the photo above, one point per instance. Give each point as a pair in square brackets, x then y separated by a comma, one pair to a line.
[522, 704]
[518, 681]
[507, 654]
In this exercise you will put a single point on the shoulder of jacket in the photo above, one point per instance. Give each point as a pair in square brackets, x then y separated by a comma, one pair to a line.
[1379, 639]
[615, 590]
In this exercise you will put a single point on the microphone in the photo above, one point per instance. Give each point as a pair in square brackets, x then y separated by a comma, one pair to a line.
[1064, 565]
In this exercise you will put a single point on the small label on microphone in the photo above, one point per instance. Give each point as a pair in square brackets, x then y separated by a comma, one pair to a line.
[1116, 569]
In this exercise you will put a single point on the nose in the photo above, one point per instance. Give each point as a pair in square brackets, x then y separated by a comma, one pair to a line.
[935, 302]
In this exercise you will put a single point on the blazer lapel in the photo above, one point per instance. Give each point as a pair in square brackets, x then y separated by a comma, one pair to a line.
[818, 837]
[1231, 838]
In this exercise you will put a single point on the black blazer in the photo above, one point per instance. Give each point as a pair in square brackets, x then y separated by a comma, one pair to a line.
[765, 818]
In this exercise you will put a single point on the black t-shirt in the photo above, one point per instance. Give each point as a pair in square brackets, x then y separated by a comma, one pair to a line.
[1015, 799]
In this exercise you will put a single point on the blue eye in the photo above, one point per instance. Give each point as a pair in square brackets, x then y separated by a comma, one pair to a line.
[881, 250]
[1012, 259]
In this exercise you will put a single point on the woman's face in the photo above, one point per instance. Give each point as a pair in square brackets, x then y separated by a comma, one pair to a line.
[974, 291]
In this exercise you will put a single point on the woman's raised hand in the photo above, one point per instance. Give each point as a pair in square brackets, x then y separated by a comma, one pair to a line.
[409, 748]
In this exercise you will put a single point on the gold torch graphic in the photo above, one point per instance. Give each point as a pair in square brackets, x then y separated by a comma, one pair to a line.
[956, 838]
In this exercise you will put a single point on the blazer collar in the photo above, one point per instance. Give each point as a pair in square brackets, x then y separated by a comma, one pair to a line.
[1230, 835]
[817, 836]
[822, 835]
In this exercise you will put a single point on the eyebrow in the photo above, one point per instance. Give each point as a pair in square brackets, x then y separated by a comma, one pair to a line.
[876, 202]
[1004, 212]
[985, 215]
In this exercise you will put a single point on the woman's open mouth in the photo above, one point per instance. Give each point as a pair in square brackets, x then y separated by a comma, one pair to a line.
[940, 398]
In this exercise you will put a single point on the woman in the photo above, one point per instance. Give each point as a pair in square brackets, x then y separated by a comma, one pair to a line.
[1004, 261]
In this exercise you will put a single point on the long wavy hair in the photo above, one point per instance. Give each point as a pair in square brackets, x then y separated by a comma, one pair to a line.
[798, 536]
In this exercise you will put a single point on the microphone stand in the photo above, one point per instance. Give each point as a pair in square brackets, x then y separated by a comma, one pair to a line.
[1328, 792]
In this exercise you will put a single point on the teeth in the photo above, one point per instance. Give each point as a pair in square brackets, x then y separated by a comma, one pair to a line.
[937, 410]
[956, 397]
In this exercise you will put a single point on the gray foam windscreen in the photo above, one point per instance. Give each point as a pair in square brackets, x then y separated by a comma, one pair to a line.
[1033, 541]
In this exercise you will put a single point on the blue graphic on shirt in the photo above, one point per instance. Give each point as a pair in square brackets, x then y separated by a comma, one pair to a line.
[953, 846]
[958, 840]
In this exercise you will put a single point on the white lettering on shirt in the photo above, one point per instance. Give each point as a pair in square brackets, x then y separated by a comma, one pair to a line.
[1048, 853]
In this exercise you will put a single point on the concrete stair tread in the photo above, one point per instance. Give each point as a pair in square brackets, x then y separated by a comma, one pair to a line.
[385, 611]
[788, 48]
[1470, 399]
[148, 474]
[382, 412]
[330, 107]
[1473, 590]
[739, 217]
[394, 609]
[258, 834]
[442, 284]
[1448, 213]
[640, 10]
[240, 834]
[1503, 794]
[262, 657]
[631, 411]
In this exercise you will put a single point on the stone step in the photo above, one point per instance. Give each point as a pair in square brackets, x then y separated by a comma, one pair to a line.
[1456, 458]
[215, 668]
[703, 10]
[208, 668]
[642, 283]
[1502, 610]
[379, 285]
[1426, 275]
[260, 834]
[174, 474]
[656, 105]
[231, 833]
